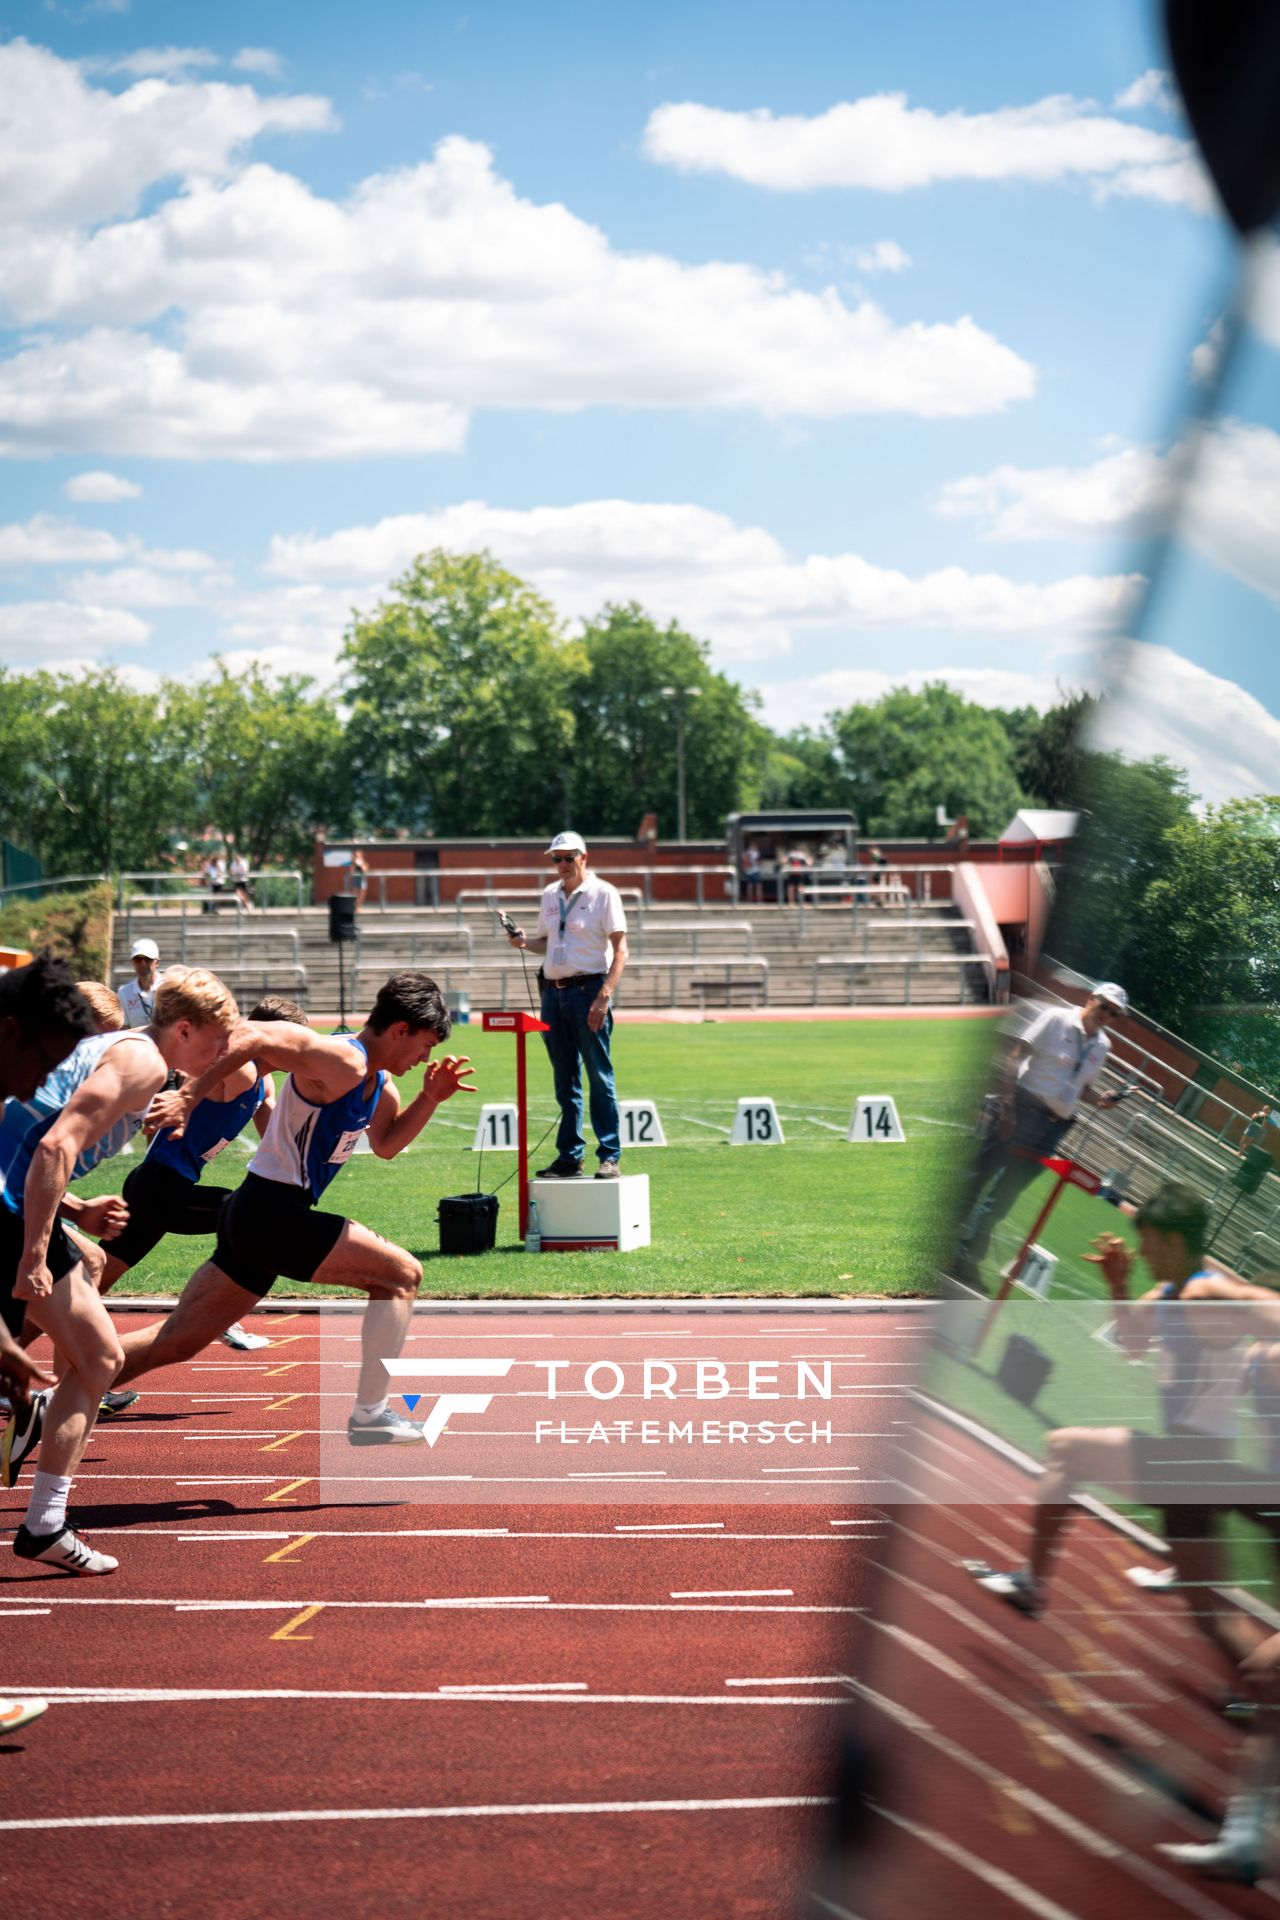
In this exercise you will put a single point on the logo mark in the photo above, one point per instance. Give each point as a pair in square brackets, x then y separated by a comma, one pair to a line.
[446, 1404]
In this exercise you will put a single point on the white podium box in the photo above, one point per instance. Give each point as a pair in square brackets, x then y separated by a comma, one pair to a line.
[586, 1215]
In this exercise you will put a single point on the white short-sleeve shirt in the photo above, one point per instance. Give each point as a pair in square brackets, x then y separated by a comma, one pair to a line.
[589, 916]
[1063, 1059]
[137, 1006]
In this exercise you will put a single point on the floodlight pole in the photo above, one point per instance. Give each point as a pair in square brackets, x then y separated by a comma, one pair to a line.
[681, 696]
[501, 1021]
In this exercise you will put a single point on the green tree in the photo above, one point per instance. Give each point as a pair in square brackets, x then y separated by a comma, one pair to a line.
[625, 730]
[108, 779]
[1049, 756]
[902, 757]
[1123, 848]
[461, 686]
[1206, 944]
[266, 758]
[802, 769]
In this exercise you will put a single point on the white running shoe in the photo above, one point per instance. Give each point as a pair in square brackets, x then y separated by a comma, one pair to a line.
[241, 1341]
[1228, 1857]
[1153, 1579]
[65, 1550]
[20, 1713]
[386, 1429]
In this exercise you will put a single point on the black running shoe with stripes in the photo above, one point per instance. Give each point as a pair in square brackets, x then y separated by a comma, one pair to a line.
[66, 1550]
[22, 1436]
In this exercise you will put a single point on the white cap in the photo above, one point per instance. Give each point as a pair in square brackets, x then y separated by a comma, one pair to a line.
[568, 843]
[1113, 995]
[145, 950]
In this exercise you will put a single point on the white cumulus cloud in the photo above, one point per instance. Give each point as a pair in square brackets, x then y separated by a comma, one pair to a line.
[1229, 516]
[806, 701]
[247, 316]
[736, 586]
[45, 541]
[886, 256]
[164, 63]
[58, 632]
[883, 143]
[262, 60]
[101, 488]
[1154, 88]
[1225, 738]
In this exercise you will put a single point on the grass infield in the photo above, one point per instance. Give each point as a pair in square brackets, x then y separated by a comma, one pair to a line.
[815, 1215]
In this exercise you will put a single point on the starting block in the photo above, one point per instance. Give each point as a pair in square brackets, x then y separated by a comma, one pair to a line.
[592, 1216]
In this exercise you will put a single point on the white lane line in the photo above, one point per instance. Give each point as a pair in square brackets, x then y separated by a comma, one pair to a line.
[513, 1686]
[995, 1877]
[178, 1696]
[831, 1125]
[23, 1613]
[829, 1906]
[738, 1593]
[673, 1534]
[710, 1125]
[830, 1523]
[669, 1526]
[793, 1680]
[401, 1533]
[536, 1601]
[535, 1810]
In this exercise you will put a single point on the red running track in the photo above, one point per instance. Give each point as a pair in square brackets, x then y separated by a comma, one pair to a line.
[287, 1704]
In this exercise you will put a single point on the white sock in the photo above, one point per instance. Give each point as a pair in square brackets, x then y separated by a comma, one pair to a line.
[365, 1414]
[47, 1512]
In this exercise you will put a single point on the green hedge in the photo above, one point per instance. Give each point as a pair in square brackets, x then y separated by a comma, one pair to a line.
[76, 925]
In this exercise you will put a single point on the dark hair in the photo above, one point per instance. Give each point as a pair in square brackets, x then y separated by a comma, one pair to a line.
[44, 998]
[414, 998]
[274, 1006]
[1177, 1208]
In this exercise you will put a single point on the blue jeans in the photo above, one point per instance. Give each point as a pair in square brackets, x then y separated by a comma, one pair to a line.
[571, 1045]
[1004, 1169]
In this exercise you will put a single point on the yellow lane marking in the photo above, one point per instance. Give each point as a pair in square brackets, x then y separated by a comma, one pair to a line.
[289, 1366]
[1101, 1622]
[290, 1487]
[278, 1319]
[282, 1441]
[288, 1630]
[285, 1400]
[289, 1340]
[1085, 1651]
[1039, 1742]
[1010, 1812]
[1059, 1686]
[290, 1546]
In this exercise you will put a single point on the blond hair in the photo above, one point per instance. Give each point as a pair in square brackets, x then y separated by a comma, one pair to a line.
[108, 1014]
[194, 994]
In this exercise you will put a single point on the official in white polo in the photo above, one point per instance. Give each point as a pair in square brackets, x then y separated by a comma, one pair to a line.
[137, 997]
[1050, 1070]
[582, 930]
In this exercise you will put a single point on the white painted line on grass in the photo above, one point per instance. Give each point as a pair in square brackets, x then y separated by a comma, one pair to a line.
[535, 1810]
[710, 1125]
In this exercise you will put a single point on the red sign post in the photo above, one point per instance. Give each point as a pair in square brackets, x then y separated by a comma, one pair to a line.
[520, 1024]
[1069, 1174]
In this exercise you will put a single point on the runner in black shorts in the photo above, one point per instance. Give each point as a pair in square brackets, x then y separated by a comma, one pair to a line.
[167, 1194]
[338, 1089]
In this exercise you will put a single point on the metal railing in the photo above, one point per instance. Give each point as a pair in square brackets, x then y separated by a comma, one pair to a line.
[59, 883]
[243, 935]
[494, 897]
[251, 976]
[906, 964]
[189, 883]
[872, 888]
[429, 880]
[727, 970]
[429, 938]
[698, 930]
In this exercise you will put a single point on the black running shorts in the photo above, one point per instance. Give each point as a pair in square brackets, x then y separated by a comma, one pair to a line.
[268, 1230]
[63, 1254]
[161, 1200]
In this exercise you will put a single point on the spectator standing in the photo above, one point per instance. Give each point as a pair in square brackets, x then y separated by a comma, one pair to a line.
[1050, 1070]
[239, 877]
[358, 878]
[137, 997]
[751, 886]
[214, 875]
[583, 932]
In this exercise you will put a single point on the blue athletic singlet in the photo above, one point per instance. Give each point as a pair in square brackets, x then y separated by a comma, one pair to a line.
[213, 1125]
[306, 1145]
[1199, 1385]
[26, 1122]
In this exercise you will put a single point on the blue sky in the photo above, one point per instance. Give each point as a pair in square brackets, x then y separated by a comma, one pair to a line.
[845, 334]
